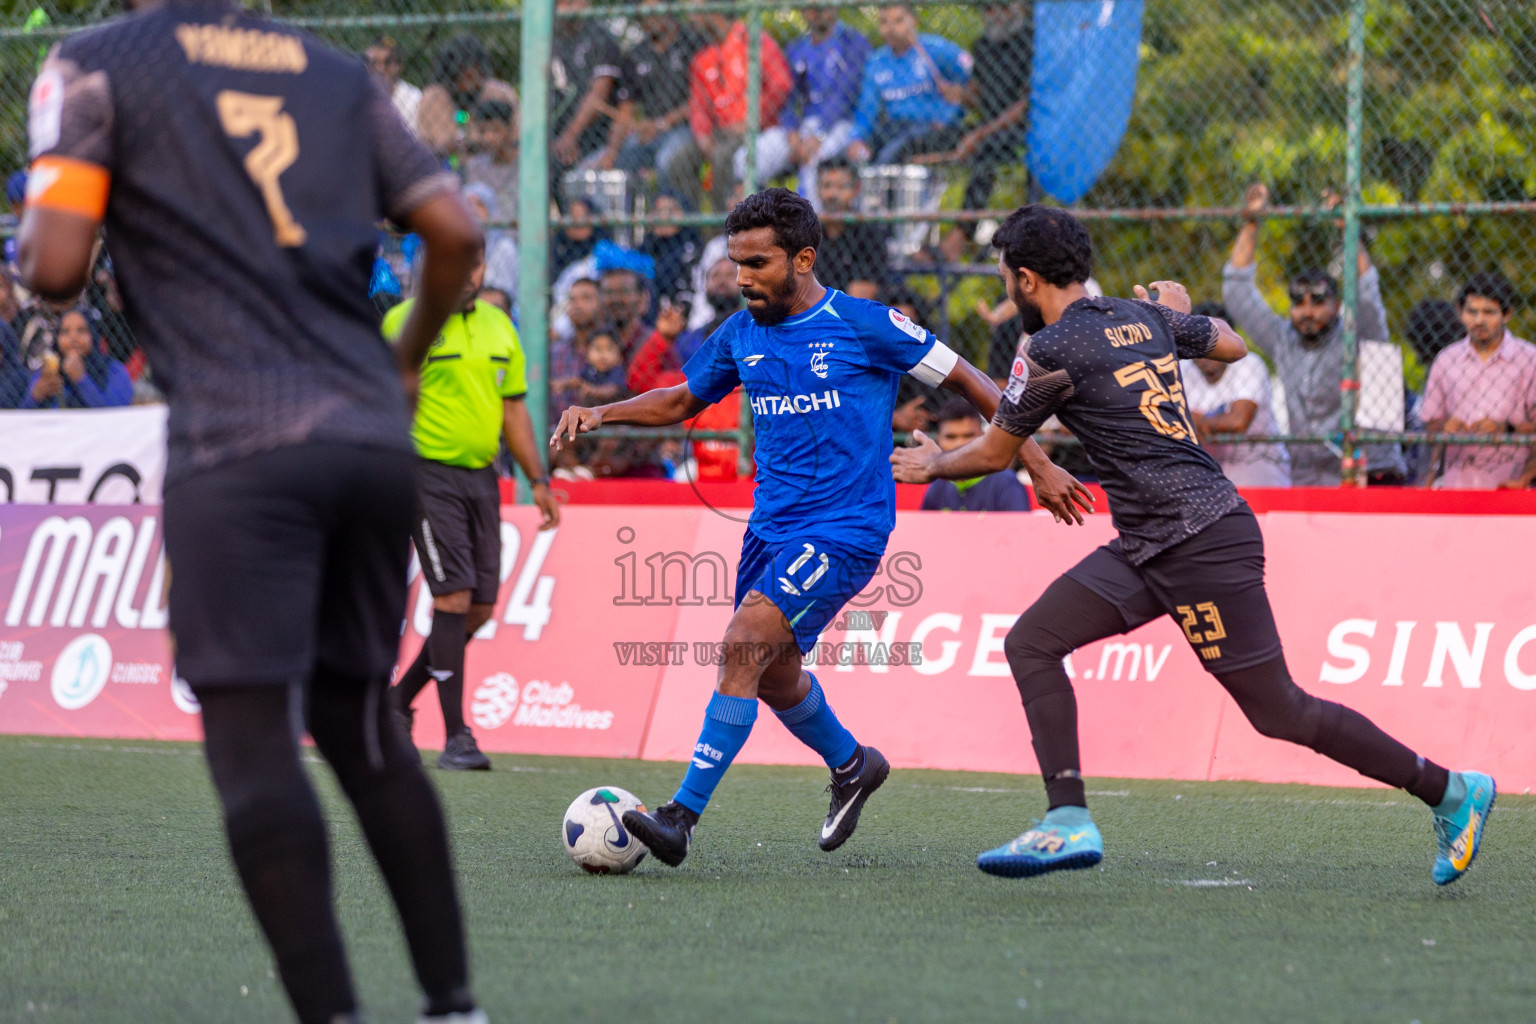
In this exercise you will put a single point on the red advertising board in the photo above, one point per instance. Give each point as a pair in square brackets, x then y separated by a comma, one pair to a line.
[598, 646]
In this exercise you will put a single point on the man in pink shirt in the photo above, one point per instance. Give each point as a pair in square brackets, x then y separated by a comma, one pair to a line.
[1483, 384]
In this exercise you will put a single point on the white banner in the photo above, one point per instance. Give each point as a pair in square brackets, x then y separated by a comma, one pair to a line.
[83, 456]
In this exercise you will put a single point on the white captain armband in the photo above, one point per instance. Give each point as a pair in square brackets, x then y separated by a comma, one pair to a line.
[936, 365]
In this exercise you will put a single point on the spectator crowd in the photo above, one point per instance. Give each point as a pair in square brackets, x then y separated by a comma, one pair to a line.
[662, 99]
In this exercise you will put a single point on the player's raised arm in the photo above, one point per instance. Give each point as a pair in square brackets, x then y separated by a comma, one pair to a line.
[661, 407]
[1196, 337]
[1055, 488]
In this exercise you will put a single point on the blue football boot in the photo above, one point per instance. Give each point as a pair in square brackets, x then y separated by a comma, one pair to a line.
[1066, 838]
[1460, 833]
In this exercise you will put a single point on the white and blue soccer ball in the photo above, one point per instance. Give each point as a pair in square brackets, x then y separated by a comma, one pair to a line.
[594, 832]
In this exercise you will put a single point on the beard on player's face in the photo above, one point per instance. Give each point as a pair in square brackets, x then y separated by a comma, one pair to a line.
[770, 304]
[1029, 311]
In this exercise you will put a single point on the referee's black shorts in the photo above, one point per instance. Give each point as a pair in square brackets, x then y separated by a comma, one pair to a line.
[1212, 584]
[290, 561]
[458, 529]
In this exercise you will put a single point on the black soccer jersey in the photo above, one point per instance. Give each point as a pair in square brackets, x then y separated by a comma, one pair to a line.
[1109, 368]
[249, 166]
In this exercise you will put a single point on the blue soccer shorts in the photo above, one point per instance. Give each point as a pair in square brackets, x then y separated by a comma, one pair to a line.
[809, 578]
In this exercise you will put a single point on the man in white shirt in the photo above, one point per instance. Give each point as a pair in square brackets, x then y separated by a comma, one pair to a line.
[384, 60]
[1234, 398]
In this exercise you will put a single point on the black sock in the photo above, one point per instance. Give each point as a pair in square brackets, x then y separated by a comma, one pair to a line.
[1053, 732]
[277, 840]
[445, 653]
[853, 764]
[1278, 708]
[412, 681]
[403, 823]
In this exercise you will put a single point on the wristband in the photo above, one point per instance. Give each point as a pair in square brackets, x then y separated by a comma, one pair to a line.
[541, 480]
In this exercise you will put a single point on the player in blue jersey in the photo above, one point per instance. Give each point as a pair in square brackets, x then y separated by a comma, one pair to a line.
[820, 370]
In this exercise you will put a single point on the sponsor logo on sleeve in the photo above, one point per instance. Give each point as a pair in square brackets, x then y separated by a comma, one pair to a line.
[907, 326]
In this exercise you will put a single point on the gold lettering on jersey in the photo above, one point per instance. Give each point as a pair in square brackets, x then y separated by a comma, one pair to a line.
[242, 48]
[1128, 334]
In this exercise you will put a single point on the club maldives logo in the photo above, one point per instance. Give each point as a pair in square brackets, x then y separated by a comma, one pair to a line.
[537, 704]
[81, 671]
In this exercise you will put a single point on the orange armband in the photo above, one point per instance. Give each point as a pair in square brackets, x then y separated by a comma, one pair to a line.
[74, 186]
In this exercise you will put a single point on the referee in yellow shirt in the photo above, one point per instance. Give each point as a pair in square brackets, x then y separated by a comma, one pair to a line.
[471, 395]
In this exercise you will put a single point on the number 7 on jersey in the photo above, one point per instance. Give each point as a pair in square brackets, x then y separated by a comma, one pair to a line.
[243, 115]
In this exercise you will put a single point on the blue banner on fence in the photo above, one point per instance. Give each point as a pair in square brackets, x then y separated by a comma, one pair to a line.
[1084, 79]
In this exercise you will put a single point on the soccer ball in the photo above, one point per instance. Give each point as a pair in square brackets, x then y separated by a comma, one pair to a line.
[594, 835]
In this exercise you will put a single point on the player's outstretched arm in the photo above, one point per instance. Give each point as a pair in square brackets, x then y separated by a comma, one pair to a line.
[1055, 488]
[661, 407]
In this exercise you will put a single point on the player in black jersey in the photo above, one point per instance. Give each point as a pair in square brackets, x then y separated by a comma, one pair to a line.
[1189, 546]
[241, 169]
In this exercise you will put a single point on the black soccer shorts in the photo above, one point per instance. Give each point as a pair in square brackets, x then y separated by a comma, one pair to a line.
[458, 530]
[1212, 584]
[290, 561]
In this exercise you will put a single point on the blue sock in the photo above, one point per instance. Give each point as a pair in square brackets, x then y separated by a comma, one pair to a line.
[815, 724]
[727, 724]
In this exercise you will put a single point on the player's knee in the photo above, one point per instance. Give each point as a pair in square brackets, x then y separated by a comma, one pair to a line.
[479, 615]
[1029, 648]
[456, 603]
[1291, 714]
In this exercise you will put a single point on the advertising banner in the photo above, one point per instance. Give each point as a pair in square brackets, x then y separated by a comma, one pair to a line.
[83, 456]
[604, 636]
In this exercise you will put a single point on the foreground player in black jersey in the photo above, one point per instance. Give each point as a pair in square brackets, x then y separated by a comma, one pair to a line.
[241, 169]
[1189, 546]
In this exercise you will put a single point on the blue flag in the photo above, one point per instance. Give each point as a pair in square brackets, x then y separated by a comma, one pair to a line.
[1084, 78]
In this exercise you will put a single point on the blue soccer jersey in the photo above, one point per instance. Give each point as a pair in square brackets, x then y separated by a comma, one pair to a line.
[822, 387]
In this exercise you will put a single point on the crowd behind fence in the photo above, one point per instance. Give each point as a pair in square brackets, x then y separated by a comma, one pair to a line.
[1350, 182]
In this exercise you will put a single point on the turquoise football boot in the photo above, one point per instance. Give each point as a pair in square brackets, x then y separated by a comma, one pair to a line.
[1066, 838]
[1460, 833]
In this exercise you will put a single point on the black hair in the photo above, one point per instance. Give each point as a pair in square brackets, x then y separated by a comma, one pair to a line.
[838, 163]
[1489, 284]
[792, 218]
[1316, 275]
[459, 54]
[1049, 241]
[1432, 325]
[493, 110]
[957, 408]
[586, 280]
[1212, 309]
[387, 42]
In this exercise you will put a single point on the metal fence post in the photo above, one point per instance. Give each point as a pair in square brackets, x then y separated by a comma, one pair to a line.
[533, 210]
[1354, 129]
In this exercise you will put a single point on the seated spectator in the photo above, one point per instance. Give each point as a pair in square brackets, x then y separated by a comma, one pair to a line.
[916, 403]
[590, 106]
[909, 99]
[14, 376]
[723, 297]
[10, 302]
[816, 124]
[493, 160]
[1483, 384]
[1307, 349]
[674, 249]
[998, 93]
[574, 242]
[79, 375]
[717, 106]
[1234, 398]
[461, 78]
[626, 302]
[853, 257]
[568, 346]
[959, 424]
[659, 71]
[387, 64]
[603, 375]
[105, 302]
[37, 330]
[501, 257]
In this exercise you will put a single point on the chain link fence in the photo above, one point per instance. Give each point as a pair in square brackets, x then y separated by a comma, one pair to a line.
[1391, 139]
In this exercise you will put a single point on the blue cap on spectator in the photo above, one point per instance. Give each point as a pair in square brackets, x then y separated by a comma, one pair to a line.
[613, 257]
[16, 187]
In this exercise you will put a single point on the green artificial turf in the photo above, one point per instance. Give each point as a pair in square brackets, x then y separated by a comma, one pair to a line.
[1216, 902]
